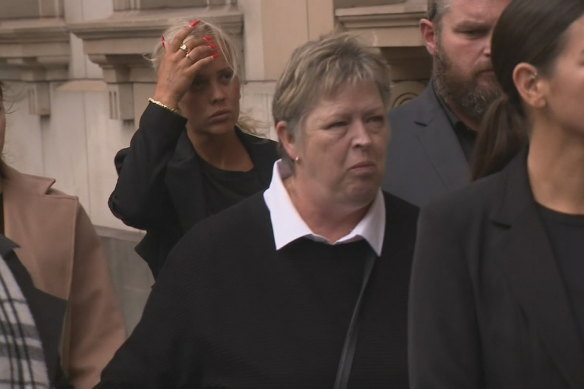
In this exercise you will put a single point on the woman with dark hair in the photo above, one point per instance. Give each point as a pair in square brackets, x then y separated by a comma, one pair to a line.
[496, 294]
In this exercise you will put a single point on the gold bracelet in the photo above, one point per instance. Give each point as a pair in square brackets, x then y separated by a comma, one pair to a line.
[150, 99]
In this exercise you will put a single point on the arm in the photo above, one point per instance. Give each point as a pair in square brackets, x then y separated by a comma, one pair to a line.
[140, 198]
[444, 347]
[94, 326]
[160, 352]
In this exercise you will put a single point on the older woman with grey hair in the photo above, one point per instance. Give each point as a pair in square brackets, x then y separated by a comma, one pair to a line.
[194, 154]
[305, 285]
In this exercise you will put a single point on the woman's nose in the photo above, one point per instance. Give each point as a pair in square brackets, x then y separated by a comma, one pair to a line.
[218, 92]
[362, 136]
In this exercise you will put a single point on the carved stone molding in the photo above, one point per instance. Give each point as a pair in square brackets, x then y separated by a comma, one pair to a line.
[125, 5]
[38, 48]
[120, 43]
[402, 92]
[36, 51]
[361, 3]
[19, 9]
[393, 25]
[394, 29]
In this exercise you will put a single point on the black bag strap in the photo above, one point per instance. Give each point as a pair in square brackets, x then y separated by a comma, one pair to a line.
[346, 361]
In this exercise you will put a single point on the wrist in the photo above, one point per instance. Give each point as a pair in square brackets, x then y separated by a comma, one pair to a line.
[168, 99]
[171, 108]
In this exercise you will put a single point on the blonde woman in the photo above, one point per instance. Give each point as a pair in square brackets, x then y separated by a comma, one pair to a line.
[193, 155]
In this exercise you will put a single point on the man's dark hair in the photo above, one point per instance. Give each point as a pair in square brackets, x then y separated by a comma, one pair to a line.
[436, 9]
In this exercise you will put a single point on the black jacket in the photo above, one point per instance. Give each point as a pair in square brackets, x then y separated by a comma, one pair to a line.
[159, 186]
[488, 305]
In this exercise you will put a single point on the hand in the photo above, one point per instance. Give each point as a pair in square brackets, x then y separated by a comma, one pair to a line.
[179, 66]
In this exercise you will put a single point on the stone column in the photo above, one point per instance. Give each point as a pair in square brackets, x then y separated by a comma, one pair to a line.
[273, 29]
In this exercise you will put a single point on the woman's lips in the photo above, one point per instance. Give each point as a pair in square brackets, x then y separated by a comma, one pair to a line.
[220, 116]
[364, 167]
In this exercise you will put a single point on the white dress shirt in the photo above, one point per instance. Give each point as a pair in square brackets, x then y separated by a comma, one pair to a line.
[288, 225]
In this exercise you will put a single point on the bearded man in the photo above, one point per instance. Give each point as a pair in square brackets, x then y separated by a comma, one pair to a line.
[433, 135]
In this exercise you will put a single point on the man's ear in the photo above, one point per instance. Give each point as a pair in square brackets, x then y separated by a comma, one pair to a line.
[531, 86]
[429, 34]
[286, 139]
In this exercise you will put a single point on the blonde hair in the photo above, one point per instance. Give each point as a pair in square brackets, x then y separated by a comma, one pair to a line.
[226, 46]
[318, 69]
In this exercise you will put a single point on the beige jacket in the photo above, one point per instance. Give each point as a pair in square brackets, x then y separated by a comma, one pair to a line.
[63, 254]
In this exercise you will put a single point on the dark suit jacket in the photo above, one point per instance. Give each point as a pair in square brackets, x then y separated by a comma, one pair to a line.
[47, 310]
[424, 158]
[229, 311]
[159, 186]
[488, 305]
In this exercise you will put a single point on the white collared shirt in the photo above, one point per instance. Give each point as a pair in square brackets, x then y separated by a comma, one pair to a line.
[289, 226]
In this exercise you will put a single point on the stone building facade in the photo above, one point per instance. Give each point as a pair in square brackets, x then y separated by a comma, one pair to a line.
[78, 81]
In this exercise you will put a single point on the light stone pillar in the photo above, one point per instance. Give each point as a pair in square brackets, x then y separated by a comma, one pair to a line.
[273, 29]
[393, 27]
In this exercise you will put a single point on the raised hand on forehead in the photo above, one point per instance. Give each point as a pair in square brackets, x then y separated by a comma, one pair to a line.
[183, 58]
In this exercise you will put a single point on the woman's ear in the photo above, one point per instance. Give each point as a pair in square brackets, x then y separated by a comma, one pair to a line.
[286, 139]
[530, 85]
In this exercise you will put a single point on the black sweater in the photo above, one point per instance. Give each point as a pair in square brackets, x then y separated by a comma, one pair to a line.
[228, 311]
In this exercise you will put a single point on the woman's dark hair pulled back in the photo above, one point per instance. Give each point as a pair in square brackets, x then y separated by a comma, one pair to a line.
[528, 31]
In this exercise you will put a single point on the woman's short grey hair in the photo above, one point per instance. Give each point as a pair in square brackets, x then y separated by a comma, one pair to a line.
[318, 69]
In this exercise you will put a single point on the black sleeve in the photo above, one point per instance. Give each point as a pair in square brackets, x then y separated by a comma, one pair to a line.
[443, 347]
[161, 351]
[140, 198]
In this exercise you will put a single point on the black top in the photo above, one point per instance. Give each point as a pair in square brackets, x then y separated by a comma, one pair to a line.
[47, 312]
[224, 188]
[466, 136]
[161, 186]
[566, 233]
[228, 311]
[488, 307]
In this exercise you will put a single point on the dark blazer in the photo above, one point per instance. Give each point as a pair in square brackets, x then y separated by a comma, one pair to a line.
[488, 305]
[47, 310]
[229, 311]
[424, 157]
[159, 186]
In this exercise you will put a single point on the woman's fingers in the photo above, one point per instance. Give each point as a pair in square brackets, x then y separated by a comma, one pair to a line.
[180, 36]
[197, 49]
[184, 57]
[200, 64]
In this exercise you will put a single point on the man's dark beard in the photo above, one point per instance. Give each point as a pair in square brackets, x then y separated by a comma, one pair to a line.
[466, 95]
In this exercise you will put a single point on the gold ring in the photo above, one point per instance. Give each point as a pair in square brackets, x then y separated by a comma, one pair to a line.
[184, 48]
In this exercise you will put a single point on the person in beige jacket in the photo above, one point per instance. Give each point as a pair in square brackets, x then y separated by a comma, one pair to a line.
[61, 251]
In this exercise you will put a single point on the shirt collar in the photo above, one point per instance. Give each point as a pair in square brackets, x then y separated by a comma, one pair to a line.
[288, 226]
